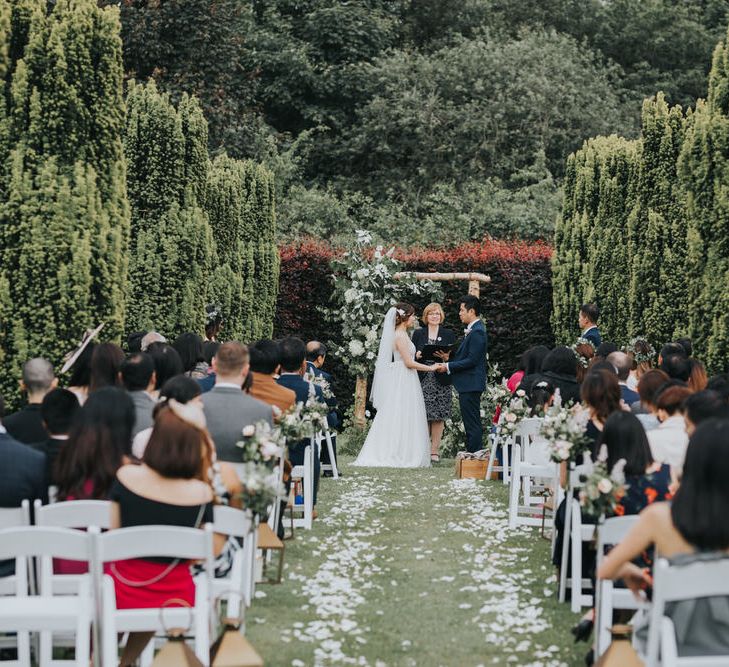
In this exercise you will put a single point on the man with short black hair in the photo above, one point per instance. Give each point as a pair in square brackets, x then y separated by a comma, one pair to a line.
[264, 365]
[58, 410]
[26, 425]
[720, 384]
[677, 367]
[703, 405]
[623, 364]
[316, 354]
[670, 349]
[589, 314]
[468, 368]
[228, 409]
[293, 364]
[139, 378]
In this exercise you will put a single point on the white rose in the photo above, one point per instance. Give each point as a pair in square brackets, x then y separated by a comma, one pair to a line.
[269, 449]
[605, 485]
[249, 431]
[521, 393]
[350, 295]
[370, 355]
[356, 348]
[362, 273]
[510, 417]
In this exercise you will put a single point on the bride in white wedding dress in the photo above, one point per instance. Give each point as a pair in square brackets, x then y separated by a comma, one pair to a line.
[398, 437]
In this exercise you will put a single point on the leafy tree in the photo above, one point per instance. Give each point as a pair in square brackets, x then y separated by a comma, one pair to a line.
[64, 220]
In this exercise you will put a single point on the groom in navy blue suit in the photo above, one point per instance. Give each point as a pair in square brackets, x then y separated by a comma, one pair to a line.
[468, 369]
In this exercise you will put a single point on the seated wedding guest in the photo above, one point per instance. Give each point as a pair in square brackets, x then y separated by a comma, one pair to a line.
[600, 394]
[670, 349]
[167, 363]
[151, 337]
[264, 366]
[642, 355]
[228, 410]
[99, 442]
[587, 320]
[698, 379]
[140, 379]
[669, 441]
[437, 389]
[169, 488]
[134, 341]
[106, 361]
[190, 348]
[584, 352]
[604, 350]
[22, 477]
[677, 367]
[26, 425]
[531, 365]
[703, 405]
[687, 529]
[540, 398]
[210, 348]
[560, 369]
[720, 384]
[602, 365]
[687, 346]
[180, 388]
[292, 353]
[623, 364]
[78, 383]
[648, 386]
[58, 411]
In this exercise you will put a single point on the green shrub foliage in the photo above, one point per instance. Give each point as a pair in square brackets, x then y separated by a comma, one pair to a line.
[64, 217]
[644, 229]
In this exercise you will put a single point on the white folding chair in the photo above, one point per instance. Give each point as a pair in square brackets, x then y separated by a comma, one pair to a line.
[153, 542]
[15, 517]
[498, 439]
[575, 534]
[79, 515]
[46, 612]
[530, 462]
[326, 436]
[608, 598]
[305, 473]
[235, 586]
[673, 583]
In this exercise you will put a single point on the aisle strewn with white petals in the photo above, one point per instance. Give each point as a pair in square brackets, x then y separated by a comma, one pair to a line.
[413, 568]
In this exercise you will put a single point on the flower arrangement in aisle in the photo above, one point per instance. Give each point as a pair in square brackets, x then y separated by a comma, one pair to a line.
[498, 395]
[364, 289]
[321, 382]
[262, 446]
[602, 490]
[303, 420]
[516, 410]
[564, 429]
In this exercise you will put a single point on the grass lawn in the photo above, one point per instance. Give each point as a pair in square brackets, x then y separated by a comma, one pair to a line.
[412, 567]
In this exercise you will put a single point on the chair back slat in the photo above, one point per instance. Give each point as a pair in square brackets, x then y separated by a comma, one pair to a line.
[154, 542]
[703, 578]
[232, 521]
[74, 514]
[10, 517]
[613, 530]
[43, 541]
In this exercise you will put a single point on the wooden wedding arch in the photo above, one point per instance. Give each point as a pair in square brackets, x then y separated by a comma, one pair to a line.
[474, 287]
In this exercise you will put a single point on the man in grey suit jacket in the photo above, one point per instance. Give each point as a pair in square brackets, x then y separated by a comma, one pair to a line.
[228, 409]
[139, 378]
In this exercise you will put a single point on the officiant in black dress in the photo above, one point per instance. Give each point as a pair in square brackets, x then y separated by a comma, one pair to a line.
[437, 390]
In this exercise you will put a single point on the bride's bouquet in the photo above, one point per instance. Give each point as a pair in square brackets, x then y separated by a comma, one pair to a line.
[564, 430]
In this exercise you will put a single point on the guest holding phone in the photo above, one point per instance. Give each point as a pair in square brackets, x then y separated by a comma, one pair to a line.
[437, 390]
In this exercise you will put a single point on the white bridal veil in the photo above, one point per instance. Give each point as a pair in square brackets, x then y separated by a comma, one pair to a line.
[383, 365]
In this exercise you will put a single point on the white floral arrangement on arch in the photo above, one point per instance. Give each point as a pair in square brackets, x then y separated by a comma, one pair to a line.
[564, 429]
[364, 289]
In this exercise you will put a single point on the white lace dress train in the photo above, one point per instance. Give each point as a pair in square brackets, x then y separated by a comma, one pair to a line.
[398, 436]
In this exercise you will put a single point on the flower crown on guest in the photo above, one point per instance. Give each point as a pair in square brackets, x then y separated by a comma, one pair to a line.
[641, 350]
[213, 314]
[583, 360]
[400, 312]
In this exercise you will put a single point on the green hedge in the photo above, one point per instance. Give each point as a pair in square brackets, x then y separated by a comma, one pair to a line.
[644, 229]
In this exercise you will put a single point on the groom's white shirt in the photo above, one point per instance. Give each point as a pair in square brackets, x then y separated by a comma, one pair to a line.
[467, 331]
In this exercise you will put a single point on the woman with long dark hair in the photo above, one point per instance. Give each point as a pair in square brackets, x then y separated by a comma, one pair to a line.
[600, 394]
[106, 362]
[99, 442]
[694, 523]
[190, 348]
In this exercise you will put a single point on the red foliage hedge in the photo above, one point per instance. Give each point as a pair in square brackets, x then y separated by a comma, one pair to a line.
[516, 305]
